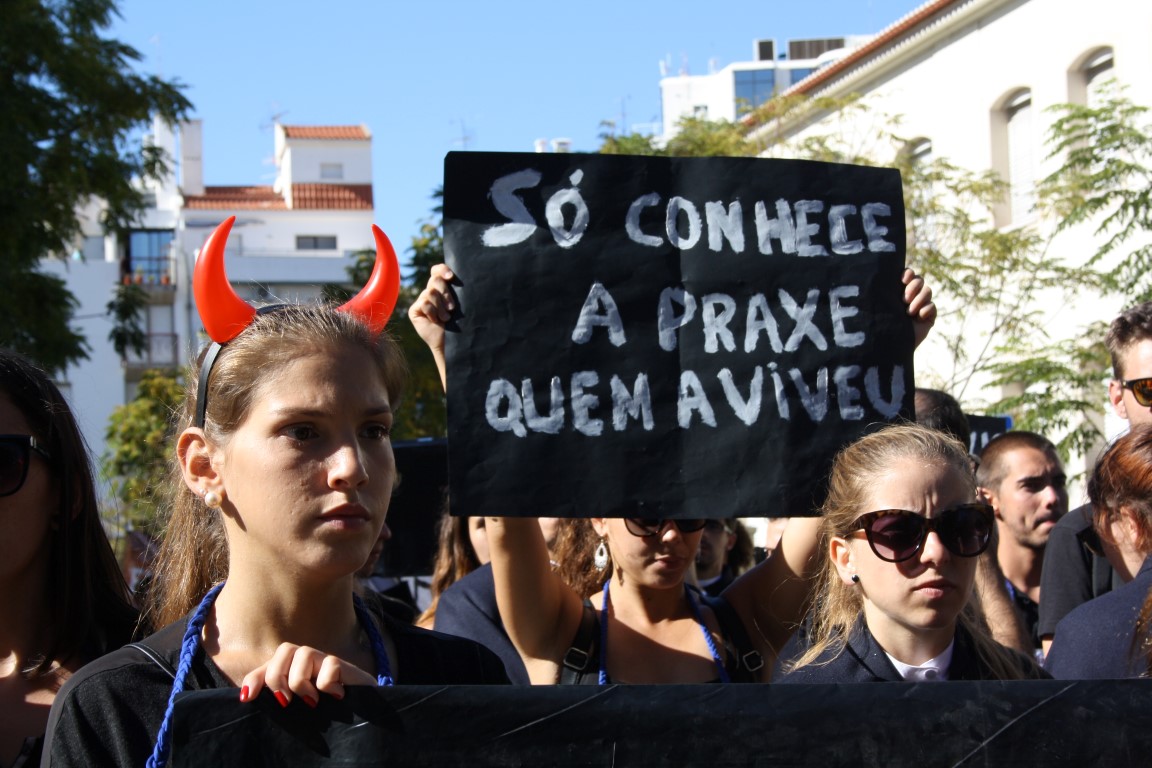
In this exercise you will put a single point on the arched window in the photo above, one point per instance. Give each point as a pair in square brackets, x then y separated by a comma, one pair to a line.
[1015, 155]
[1087, 74]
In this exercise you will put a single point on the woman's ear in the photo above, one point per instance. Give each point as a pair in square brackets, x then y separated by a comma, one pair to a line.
[843, 558]
[195, 453]
[599, 525]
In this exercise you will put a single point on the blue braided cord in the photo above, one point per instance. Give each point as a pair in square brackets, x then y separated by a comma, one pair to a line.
[188, 647]
[724, 678]
[604, 634]
[383, 668]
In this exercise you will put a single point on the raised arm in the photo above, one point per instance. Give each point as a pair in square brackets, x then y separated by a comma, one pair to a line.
[431, 310]
[773, 597]
[540, 612]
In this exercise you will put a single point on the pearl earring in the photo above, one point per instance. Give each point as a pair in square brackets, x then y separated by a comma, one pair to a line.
[212, 500]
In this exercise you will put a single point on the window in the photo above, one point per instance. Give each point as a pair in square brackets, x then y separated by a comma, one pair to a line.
[332, 171]
[922, 199]
[1021, 156]
[315, 242]
[149, 255]
[1097, 70]
[753, 88]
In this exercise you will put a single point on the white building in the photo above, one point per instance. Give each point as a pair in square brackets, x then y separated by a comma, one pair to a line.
[742, 86]
[288, 240]
[974, 81]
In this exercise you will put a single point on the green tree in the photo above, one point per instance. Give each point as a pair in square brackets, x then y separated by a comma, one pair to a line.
[139, 447]
[1104, 180]
[423, 412]
[72, 111]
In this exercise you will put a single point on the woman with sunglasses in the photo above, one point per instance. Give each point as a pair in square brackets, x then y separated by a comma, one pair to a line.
[282, 479]
[902, 530]
[63, 601]
[1110, 636]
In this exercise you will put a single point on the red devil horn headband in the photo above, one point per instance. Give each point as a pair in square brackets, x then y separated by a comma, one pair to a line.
[225, 314]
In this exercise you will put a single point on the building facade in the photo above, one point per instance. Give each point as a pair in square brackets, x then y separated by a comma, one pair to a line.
[742, 86]
[290, 238]
[975, 82]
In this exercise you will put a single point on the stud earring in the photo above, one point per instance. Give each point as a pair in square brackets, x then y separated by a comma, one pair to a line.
[601, 558]
[855, 579]
[212, 500]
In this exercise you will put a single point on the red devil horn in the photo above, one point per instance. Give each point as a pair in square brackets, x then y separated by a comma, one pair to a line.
[223, 313]
[377, 299]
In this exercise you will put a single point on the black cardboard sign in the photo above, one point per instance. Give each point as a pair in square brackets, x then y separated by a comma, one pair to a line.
[667, 337]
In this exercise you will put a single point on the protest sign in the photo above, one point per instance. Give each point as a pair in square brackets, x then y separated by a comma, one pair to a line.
[667, 337]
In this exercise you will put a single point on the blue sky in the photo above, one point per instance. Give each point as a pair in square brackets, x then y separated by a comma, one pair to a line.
[440, 75]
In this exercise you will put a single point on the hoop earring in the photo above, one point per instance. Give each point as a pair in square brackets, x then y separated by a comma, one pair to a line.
[212, 500]
[600, 560]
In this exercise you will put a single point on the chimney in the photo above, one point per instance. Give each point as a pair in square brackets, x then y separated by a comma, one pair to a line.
[192, 157]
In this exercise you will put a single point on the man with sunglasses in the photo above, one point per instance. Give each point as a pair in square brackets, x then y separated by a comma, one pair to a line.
[1077, 563]
[1021, 476]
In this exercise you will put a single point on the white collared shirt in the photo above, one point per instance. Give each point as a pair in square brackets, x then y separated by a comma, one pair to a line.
[932, 671]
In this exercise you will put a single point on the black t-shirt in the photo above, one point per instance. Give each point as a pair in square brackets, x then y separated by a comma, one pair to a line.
[109, 712]
[1073, 573]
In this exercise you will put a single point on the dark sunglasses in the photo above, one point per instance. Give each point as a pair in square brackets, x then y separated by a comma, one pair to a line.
[1141, 390]
[896, 535]
[15, 453]
[650, 526]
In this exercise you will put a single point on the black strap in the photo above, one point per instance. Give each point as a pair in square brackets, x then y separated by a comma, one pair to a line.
[155, 656]
[581, 657]
[749, 662]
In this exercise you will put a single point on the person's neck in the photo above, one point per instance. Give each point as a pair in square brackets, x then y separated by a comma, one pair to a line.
[258, 610]
[637, 605]
[912, 646]
[1021, 566]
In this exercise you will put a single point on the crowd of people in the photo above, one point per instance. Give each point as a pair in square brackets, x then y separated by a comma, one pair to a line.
[924, 563]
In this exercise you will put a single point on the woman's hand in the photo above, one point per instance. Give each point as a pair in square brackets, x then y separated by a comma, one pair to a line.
[432, 310]
[918, 297]
[297, 670]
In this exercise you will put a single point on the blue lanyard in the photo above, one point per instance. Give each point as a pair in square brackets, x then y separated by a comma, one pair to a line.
[190, 644]
[724, 678]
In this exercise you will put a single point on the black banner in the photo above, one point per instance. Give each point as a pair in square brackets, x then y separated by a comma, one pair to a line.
[667, 337]
[1042, 723]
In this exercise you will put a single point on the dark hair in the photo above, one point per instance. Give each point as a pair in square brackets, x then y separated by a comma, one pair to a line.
[938, 410]
[993, 468]
[87, 603]
[194, 552]
[1131, 327]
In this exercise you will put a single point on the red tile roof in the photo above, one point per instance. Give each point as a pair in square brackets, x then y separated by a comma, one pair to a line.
[236, 198]
[337, 132]
[316, 197]
[344, 197]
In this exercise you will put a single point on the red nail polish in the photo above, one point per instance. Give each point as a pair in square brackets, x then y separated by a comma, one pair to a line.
[280, 697]
[311, 702]
[244, 693]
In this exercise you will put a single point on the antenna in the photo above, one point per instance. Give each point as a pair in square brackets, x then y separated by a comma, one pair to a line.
[465, 137]
[274, 118]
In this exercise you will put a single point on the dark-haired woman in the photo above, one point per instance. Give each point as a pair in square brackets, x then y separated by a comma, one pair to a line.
[63, 601]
